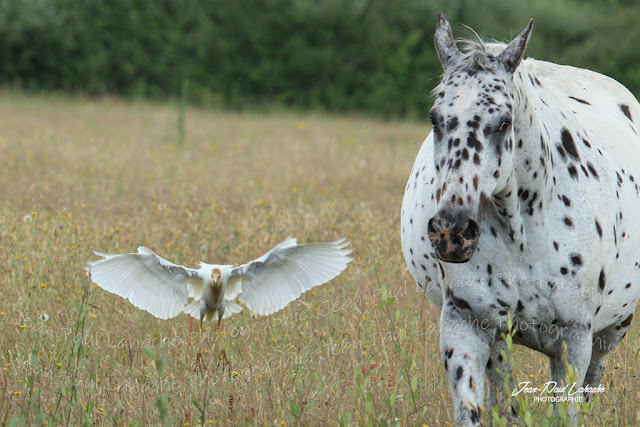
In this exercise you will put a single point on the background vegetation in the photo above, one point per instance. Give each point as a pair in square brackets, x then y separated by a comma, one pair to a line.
[374, 56]
[94, 172]
[81, 175]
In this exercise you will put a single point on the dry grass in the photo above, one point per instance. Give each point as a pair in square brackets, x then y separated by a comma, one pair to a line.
[79, 175]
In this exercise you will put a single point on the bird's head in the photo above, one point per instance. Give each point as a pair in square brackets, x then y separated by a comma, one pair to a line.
[215, 275]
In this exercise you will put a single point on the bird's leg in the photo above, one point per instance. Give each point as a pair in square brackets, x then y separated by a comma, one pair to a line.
[222, 358]
[199, 360]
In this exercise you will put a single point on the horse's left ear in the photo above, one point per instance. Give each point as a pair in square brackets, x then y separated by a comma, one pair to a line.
[512, 55]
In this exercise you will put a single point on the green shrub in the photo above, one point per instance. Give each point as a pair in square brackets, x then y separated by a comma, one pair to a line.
[339, 55]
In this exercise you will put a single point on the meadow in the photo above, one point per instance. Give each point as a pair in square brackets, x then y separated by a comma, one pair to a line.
[81, 174]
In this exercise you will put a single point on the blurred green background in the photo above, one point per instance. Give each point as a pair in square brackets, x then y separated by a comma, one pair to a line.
[371, 56]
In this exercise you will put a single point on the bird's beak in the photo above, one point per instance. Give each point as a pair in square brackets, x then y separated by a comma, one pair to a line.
[216, 278]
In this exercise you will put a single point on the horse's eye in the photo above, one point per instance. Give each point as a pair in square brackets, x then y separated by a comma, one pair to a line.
[434, 124]
[504, 126]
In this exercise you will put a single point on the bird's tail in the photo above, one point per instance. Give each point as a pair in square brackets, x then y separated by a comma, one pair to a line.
[193, 309]
[231, 308]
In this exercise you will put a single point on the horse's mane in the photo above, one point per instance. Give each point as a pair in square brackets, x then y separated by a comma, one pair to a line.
[475, 55]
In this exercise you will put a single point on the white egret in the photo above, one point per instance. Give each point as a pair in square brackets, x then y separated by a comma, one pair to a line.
[264, 286]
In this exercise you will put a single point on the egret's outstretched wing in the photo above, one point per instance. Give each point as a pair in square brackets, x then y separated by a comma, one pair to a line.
[150, 282]
[288, 270]
[233, 288]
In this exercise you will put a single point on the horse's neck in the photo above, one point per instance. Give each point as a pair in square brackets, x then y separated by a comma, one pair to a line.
[529, 188]
[533, 160]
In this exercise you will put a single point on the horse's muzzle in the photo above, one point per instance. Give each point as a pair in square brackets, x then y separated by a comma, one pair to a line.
[454, 234]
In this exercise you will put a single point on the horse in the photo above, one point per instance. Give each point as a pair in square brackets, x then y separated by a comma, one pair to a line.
[521, 205]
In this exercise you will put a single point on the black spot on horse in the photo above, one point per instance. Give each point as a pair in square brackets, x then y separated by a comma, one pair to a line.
[598, 229]
[584, 170]
[576, 260]
[625, 110]
[568, 221]
[602, 280]
[573, 171]
[453, 123]
[459, 373]
[474, 415]
[626, 322]
[472, 142]
[593, 171]
[582, 101]
[569, 145]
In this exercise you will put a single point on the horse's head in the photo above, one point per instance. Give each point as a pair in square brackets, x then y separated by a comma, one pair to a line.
[473, 138]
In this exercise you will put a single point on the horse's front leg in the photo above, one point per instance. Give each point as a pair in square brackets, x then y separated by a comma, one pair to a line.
[497, 368]
[465, 347]
[578, 340]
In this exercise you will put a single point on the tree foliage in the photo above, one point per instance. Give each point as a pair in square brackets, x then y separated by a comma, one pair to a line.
[340, 55]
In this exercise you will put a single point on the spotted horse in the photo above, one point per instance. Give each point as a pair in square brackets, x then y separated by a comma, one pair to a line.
[522, 202]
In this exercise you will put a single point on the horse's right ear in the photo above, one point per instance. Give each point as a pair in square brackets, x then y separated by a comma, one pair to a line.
[445, 45]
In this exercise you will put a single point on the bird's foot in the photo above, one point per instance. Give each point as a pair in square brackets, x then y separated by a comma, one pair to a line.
[200, 362]
[223, 362]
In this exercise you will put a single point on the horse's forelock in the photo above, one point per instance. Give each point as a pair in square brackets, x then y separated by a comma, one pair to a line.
[476, 54]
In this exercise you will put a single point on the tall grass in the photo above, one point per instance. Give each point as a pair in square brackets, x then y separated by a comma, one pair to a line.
[85, 174]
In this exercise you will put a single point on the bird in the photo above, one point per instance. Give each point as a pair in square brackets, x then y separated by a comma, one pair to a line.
[264, 285]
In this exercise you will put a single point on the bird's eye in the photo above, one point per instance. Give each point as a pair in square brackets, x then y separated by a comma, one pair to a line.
[504, 126]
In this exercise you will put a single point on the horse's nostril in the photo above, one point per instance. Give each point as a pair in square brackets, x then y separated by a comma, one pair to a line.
[431, 226]
[471, 230]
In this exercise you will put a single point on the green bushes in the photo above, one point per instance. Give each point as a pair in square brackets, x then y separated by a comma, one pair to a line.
[341, 55]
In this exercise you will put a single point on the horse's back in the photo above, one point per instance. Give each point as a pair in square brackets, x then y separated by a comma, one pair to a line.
[596, 105]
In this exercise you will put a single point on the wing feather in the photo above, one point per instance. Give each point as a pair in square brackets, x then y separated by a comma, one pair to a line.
[272, 281]
[147, 280]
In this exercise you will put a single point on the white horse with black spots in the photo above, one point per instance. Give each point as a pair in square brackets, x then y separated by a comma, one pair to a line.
[522, 202]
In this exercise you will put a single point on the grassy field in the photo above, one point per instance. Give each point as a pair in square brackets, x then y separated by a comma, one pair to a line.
[81, 175]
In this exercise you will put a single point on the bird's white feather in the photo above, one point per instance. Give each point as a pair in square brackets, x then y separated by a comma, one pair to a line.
[193, 310]
[148, 281]
[280, 276]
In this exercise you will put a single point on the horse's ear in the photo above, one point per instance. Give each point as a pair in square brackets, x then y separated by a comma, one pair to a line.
[512, 55]
[445, 45]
